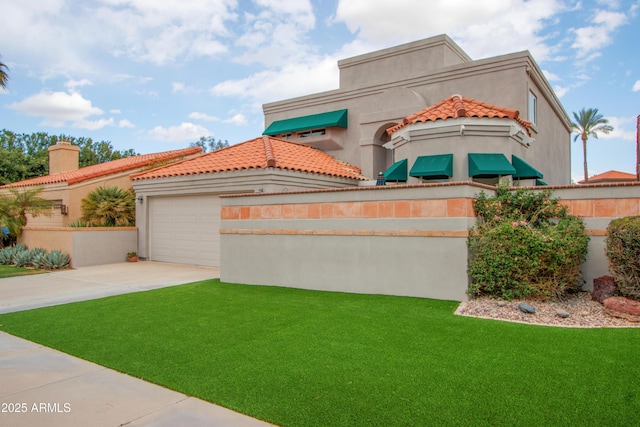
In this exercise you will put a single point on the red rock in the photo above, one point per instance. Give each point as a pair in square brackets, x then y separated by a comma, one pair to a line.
[623, 307]
[603, 287]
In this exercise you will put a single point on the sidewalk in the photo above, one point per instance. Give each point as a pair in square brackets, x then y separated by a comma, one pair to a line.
[44, 387]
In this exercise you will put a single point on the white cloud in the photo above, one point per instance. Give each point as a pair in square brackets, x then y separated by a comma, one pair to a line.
[183, 132]
[203, 116]
[57, 107]
[636, 86]
[93, 124]
[73, 84]
[238, 120]
[482, 28]
[316, 75]
[560, 90]
[589, 40]
[126, 124]
[623, 128]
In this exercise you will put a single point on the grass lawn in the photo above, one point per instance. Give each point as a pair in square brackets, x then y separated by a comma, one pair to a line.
[304, 358]
[11, 271]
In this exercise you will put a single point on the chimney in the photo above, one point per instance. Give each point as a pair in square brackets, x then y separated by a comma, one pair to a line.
[63, 157]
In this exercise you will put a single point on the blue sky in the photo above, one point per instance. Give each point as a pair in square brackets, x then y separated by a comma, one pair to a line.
[155, 75]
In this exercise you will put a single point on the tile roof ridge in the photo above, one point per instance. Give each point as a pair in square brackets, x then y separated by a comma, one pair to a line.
[268, 152]
[458, 106]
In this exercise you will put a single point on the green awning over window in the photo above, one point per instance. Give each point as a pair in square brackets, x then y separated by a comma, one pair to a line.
[397, 172]
[336, 118]
[439, 166]
[487, 165]
[524, 170]
[541, 182]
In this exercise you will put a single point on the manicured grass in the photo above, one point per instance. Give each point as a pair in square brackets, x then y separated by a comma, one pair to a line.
[304, 358]
[11, 271]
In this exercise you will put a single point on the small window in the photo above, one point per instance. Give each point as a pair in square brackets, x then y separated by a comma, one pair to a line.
[533, 108]
[316, 132]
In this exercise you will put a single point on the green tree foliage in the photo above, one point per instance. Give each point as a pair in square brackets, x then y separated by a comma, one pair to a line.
[209, 143]
[623, 252]
[525, 244]
[24, 156]
[588, 123]
[4, 77]
[15, 206]
[109, 207]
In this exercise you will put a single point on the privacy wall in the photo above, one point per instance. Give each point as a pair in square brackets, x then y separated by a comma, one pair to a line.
[408, 240]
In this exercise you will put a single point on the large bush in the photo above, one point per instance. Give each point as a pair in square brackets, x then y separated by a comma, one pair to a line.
[623, 252]
[109, 207]
[525, 244]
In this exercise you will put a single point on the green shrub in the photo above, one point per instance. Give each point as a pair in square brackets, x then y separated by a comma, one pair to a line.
[6, 255]
[55, 260]
[623, 252]
[525, 245]
[23, 259]
[109, 207]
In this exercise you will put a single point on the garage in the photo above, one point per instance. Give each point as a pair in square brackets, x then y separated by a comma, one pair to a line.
[185, 229]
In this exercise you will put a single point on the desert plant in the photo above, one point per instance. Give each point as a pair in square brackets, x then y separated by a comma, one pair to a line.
[55, 260]
[623, 252]
[109, 207]
[15, 207]
[525, 245]
[6, 255]
[22, 259]
[79, 224]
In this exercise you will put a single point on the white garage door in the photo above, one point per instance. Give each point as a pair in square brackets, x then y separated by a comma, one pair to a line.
[185, 229]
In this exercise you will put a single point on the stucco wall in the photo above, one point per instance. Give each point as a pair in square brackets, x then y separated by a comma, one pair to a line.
[407, 240]
[85, 246]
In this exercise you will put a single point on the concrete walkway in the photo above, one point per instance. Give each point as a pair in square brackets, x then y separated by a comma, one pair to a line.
[40, 386]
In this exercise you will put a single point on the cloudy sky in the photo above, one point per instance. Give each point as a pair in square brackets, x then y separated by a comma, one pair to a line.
[155, 75]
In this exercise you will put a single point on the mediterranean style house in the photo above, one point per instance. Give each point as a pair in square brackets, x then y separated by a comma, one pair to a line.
[487, 119]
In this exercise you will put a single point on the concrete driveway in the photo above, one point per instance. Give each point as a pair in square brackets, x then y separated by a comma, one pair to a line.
[44, 387]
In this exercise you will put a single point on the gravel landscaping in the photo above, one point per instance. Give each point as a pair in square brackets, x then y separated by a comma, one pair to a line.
[582, 310]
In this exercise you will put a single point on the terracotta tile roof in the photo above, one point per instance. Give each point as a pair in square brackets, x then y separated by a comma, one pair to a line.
[259, 153]
[107, 168]
[456, 107]
[611, 176]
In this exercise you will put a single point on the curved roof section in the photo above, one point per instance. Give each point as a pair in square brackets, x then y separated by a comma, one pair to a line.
[107, 168]
[259, 153]
[456, 107]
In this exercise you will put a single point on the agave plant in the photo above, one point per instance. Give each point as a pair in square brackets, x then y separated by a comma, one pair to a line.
[55, 260]
[109, 207]
[6, 255]
[22, 258]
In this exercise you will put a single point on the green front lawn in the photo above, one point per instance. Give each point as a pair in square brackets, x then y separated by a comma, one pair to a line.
[304, 358]
[11, 271]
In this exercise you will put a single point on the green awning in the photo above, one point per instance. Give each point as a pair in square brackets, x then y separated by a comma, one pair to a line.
[541, 182]
[488, 165]
[336, 118]
[397, 172]
[524, 170]
[438, 166]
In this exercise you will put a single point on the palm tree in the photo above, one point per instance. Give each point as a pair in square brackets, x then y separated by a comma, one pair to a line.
[588, 123]
[15, 207]
[110, 207]
[4, 77]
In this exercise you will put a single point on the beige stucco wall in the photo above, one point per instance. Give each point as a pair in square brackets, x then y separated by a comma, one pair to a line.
[85, 246]
[403, 240]
[386, 94]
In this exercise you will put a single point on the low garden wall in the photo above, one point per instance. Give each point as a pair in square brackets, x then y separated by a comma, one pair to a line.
[86, 246]
[404, 240]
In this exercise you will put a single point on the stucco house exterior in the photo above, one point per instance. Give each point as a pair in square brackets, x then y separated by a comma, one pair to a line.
[380, 90]
[67, 184]
[178, 214]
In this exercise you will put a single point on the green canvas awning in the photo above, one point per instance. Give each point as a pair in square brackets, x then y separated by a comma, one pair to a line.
[524, 170]
[336, 118]
[488, 165]
[541, 182]
[397, 172]
[439, 166]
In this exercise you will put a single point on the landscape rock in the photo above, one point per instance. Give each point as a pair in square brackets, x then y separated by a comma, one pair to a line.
[526, 308]
[562, 313]
[501, 303]
[623, 307]
[603, 287]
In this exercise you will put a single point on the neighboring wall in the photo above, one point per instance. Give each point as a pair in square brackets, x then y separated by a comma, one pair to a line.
[406, 240]
[86, 246]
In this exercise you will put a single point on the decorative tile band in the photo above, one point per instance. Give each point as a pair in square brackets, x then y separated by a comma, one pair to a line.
[437, 208]
[603, 208]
